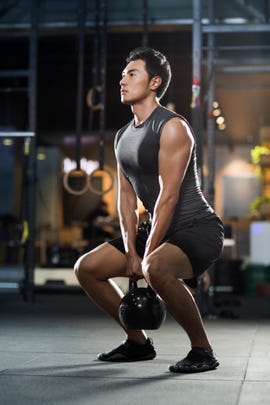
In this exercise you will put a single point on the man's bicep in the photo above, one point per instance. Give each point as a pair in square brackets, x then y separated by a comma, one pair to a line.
[123, 182]
[175, 152]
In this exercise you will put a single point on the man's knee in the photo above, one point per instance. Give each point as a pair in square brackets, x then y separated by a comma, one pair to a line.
[154, 270]
[84, 267]
[100, 264]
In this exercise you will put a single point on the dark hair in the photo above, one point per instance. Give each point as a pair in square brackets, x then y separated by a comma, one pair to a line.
[156, 64]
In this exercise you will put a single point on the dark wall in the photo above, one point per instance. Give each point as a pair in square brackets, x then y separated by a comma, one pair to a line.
[57, 79]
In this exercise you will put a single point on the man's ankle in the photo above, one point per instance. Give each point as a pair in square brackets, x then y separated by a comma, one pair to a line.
[138, 341]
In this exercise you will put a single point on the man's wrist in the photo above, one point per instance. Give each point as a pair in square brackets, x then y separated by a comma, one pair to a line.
[131, 253]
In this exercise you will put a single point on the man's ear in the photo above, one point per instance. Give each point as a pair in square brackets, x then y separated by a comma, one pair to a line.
[155, 82]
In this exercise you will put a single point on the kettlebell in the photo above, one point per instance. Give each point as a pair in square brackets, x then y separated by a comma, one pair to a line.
[141, 308]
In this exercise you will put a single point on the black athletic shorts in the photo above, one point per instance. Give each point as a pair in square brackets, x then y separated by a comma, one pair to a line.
[201, 239]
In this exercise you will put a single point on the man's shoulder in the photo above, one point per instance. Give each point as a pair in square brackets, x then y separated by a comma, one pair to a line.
[120, 132]
[167, 114]
[161, 116]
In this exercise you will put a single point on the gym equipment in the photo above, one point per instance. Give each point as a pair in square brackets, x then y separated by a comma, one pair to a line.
[90, 101]
[25, 230]
[61, 256]
[145, 39]
[79, 174]
[99, 85]
[104, 173]
[141, 308]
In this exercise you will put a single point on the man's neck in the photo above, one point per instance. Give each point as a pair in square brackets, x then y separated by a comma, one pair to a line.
[142, 111]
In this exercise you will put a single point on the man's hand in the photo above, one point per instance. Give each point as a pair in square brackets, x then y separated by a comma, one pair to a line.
[134, 267]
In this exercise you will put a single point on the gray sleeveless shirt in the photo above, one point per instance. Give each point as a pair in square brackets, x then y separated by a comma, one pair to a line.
[136, 150]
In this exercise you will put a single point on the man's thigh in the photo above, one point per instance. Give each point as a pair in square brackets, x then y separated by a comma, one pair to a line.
[106, 261]
[173, 259]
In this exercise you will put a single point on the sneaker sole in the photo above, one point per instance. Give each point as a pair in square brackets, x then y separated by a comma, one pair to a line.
[194, 369]
[118, 359]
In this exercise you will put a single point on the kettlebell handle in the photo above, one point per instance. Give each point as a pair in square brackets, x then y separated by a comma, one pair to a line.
[133, 286]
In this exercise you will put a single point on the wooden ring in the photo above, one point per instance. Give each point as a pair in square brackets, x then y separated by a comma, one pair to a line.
[93, 174]
[89, 98]
[75, 173]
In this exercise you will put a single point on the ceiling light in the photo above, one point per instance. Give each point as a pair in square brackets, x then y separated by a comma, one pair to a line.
[221, 127]
[220, 120]
[216, 112]
[7, 142]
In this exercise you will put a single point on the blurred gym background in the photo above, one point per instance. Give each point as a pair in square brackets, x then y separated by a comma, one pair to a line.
[60, 67]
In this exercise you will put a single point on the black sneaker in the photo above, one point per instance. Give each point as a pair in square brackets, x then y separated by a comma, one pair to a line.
[196, 361]
[130, 351]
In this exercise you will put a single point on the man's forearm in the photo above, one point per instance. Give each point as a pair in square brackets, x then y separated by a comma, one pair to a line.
[162, 217]
[128, 217]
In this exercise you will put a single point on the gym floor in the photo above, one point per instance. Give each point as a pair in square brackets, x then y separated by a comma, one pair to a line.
[48, 350]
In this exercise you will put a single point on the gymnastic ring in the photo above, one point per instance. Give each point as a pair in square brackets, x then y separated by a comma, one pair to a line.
[75, 173]
[93, 174]
[89, 98]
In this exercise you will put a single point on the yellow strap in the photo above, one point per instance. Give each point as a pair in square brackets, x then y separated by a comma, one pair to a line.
[25, 232]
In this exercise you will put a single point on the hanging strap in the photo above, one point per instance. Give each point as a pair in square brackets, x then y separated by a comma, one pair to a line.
[103, 77]
[80, 81]
[78, 172]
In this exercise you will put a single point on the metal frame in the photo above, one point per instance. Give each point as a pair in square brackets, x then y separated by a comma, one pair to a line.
[27, 286]
[196, 78]
[213, 66]
[16, 134]
[210, 189]
[29, 265]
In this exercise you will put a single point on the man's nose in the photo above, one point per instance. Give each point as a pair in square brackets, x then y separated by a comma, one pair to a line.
[122, 81]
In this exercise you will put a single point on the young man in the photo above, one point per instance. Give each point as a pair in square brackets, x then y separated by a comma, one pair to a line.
[157, 164]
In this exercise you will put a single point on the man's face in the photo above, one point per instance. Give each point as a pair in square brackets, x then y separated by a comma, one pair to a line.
[135, 84]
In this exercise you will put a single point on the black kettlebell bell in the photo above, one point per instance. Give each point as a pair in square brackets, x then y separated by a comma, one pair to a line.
[141, 308]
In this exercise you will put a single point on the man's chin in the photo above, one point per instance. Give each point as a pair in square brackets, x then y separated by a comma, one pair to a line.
[126, 102]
